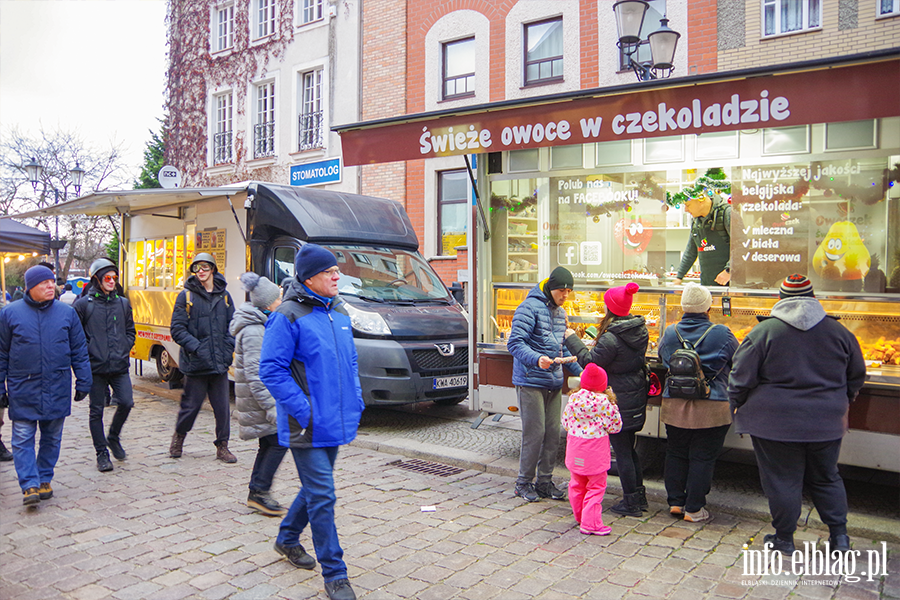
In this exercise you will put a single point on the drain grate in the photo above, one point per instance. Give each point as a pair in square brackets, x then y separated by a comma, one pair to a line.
[423, 466]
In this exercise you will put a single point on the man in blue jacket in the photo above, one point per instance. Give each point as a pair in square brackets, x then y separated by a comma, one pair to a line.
[309, 364]
[793, 379]
[41, 343]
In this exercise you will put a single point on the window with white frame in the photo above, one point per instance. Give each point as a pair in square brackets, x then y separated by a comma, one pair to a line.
[265, 18]
[264, 127]
[453, 207]
[311, 114]
[544, 51]
[223, 129]
[311, 11]
[789, 16]
[459, 68]
[224, 28]
[888, 7]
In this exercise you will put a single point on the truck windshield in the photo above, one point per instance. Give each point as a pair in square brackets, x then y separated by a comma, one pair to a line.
[387, 274]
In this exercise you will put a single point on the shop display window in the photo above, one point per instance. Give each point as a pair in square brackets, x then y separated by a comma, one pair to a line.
[157, 263]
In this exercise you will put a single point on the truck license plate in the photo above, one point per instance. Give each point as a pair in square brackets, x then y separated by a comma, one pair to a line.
[452, 381]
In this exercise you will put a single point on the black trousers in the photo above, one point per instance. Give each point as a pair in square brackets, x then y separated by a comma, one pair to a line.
[121, 387]
[198, 387]
[690, 462]
[783, 469]
[631, 475]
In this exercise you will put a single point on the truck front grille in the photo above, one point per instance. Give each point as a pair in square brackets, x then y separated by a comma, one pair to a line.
[429, 360]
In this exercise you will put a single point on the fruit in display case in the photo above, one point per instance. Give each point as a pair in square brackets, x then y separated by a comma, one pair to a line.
[884, 351]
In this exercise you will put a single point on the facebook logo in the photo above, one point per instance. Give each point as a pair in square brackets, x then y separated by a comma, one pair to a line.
[567, 253]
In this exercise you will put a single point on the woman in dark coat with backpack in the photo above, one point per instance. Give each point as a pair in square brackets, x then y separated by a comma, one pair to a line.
[620, 349]
[695, 427]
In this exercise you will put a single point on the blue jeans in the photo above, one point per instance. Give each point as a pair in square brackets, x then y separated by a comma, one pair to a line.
[32, 473]
[268, 458]
[314, 504]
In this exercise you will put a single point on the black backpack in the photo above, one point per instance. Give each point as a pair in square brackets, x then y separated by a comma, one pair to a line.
[686, 379]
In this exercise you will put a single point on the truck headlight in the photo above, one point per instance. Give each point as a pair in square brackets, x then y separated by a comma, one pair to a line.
[367, 322]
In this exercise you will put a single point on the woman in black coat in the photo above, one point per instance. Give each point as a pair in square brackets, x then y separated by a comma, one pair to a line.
[620, 349]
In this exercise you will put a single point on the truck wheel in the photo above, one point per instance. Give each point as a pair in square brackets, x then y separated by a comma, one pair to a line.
[168, 372]
[449, 401]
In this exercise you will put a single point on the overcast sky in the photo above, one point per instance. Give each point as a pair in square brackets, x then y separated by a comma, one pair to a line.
[95, 67]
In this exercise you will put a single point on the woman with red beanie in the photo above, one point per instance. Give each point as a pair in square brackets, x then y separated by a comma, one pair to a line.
[620, 349]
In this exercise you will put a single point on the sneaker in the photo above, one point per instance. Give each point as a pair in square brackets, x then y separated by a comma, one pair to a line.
[5, 455]
[676, 511]
[297, 556]
[779, 545]
[602, 530]
[264, 503]
[31, 496]
[527, 492]
[45, 492]
[840, 543]
[700, 516]
[546, 489]
[339, 589]
[104, 465]
[116, 448]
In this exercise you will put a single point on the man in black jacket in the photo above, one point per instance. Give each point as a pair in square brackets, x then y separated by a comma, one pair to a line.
[200, 322]
[791, 385]
[108, 325]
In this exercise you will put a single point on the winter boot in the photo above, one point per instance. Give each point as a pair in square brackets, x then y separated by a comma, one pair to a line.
[175, 447]
[115, 446]
[223, 454]
[642, 497]
[628, 506]
[104, 465]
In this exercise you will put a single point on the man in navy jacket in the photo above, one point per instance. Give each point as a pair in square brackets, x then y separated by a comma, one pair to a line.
[793, 379]
[309, 364]
[41, 343]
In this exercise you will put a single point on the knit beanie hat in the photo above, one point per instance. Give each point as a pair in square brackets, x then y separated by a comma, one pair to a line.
[312, 260]
[618, 299]
[796, 285]
[594, 378]
[262, 291]
[37, 274]
[559, 279]
[695, 298]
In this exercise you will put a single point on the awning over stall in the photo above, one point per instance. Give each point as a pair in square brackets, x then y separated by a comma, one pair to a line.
[846, 88]
[17, 238]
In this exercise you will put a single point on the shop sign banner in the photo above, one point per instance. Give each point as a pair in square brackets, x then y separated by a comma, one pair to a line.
[836, 94]
[315, 173]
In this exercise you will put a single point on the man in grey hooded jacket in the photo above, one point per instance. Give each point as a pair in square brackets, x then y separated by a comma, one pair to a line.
[791, 385]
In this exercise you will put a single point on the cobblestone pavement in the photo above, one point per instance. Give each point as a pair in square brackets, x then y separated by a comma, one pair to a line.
[159, 528]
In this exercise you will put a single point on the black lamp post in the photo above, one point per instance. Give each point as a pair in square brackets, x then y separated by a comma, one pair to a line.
[629, 20]
[34, 170]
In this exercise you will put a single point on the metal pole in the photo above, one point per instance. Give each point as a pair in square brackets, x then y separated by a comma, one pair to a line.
[56, 245]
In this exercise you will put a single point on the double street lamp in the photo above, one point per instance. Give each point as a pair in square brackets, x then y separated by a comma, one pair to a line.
[34, 171]
[629, 21]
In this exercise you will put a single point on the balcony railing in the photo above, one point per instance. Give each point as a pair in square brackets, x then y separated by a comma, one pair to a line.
[264, 140]
[311, 135]
[222, 153]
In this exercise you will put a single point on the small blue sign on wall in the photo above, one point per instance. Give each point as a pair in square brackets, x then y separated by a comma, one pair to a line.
[323, 171]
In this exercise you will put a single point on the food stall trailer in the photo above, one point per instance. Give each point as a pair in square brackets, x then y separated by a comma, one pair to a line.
[807, 154]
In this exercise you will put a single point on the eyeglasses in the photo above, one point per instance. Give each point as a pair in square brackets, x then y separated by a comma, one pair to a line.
[110, 278]
[332, 272]
[201, 267]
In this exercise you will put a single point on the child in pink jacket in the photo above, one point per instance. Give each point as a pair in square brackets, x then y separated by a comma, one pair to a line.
[589, 417]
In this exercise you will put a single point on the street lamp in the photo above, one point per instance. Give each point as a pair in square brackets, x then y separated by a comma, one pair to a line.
[34, 170]
[629, 20]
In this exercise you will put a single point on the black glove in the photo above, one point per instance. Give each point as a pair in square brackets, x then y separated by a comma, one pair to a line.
[4, 400]
[79, 396]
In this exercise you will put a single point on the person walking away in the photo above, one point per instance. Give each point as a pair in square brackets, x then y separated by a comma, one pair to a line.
[41, 344]
[108, 321]
[589, 417]
[696, 427]
[200, 321]
[794, 406]
[620, 348]
[68, 296]
[256, 412]
[309, 364]
[536, 345]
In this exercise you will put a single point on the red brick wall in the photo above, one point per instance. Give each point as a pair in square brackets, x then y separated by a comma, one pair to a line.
[590, 63]
[703, 37]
